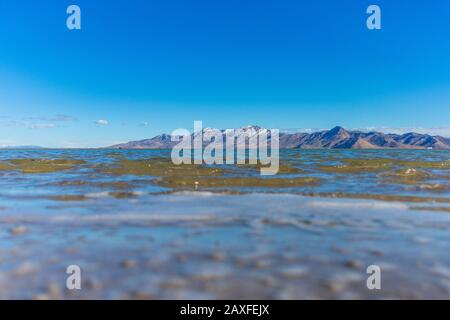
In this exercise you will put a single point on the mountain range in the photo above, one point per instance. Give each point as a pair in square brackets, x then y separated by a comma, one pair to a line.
[21, 147]
[336, 138]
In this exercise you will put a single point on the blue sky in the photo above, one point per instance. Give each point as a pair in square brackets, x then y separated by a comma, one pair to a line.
[146, 67]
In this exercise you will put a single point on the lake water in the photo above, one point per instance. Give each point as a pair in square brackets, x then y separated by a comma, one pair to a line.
[140, 227]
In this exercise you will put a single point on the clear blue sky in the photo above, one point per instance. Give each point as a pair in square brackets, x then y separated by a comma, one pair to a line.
[148, 66]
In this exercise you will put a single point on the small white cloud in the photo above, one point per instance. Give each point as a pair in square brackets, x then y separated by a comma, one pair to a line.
[27, 123]
[144, 124]
[64, 118]
[41, 126]
[55, 118]
[102, 122]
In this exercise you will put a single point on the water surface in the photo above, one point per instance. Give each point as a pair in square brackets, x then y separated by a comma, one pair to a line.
[140, 228]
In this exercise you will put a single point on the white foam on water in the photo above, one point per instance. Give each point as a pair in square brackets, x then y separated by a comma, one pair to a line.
[130, 217]
[357, 204]
[103, 194]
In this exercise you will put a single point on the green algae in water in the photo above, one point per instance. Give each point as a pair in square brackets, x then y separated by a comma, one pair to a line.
[403, 175]
[406, 176]
[160, 167]
[123, 195]
[71, 183]
[40, 165]
[211, 182]
[431, 187]
[5, 166]
[425, 164]
[382, 197]
[68, 198]
[164, 167]
[441, 209]
[358, 166]
[284, 168]
[380, 164]
[102, 185]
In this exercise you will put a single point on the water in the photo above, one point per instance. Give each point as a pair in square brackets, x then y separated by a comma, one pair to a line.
[150, 232]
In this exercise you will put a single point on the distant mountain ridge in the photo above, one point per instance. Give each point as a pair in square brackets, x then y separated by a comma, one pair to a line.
[21, 147]
[336, 138]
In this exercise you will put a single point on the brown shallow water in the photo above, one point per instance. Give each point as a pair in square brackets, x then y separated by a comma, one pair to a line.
[140, 227]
